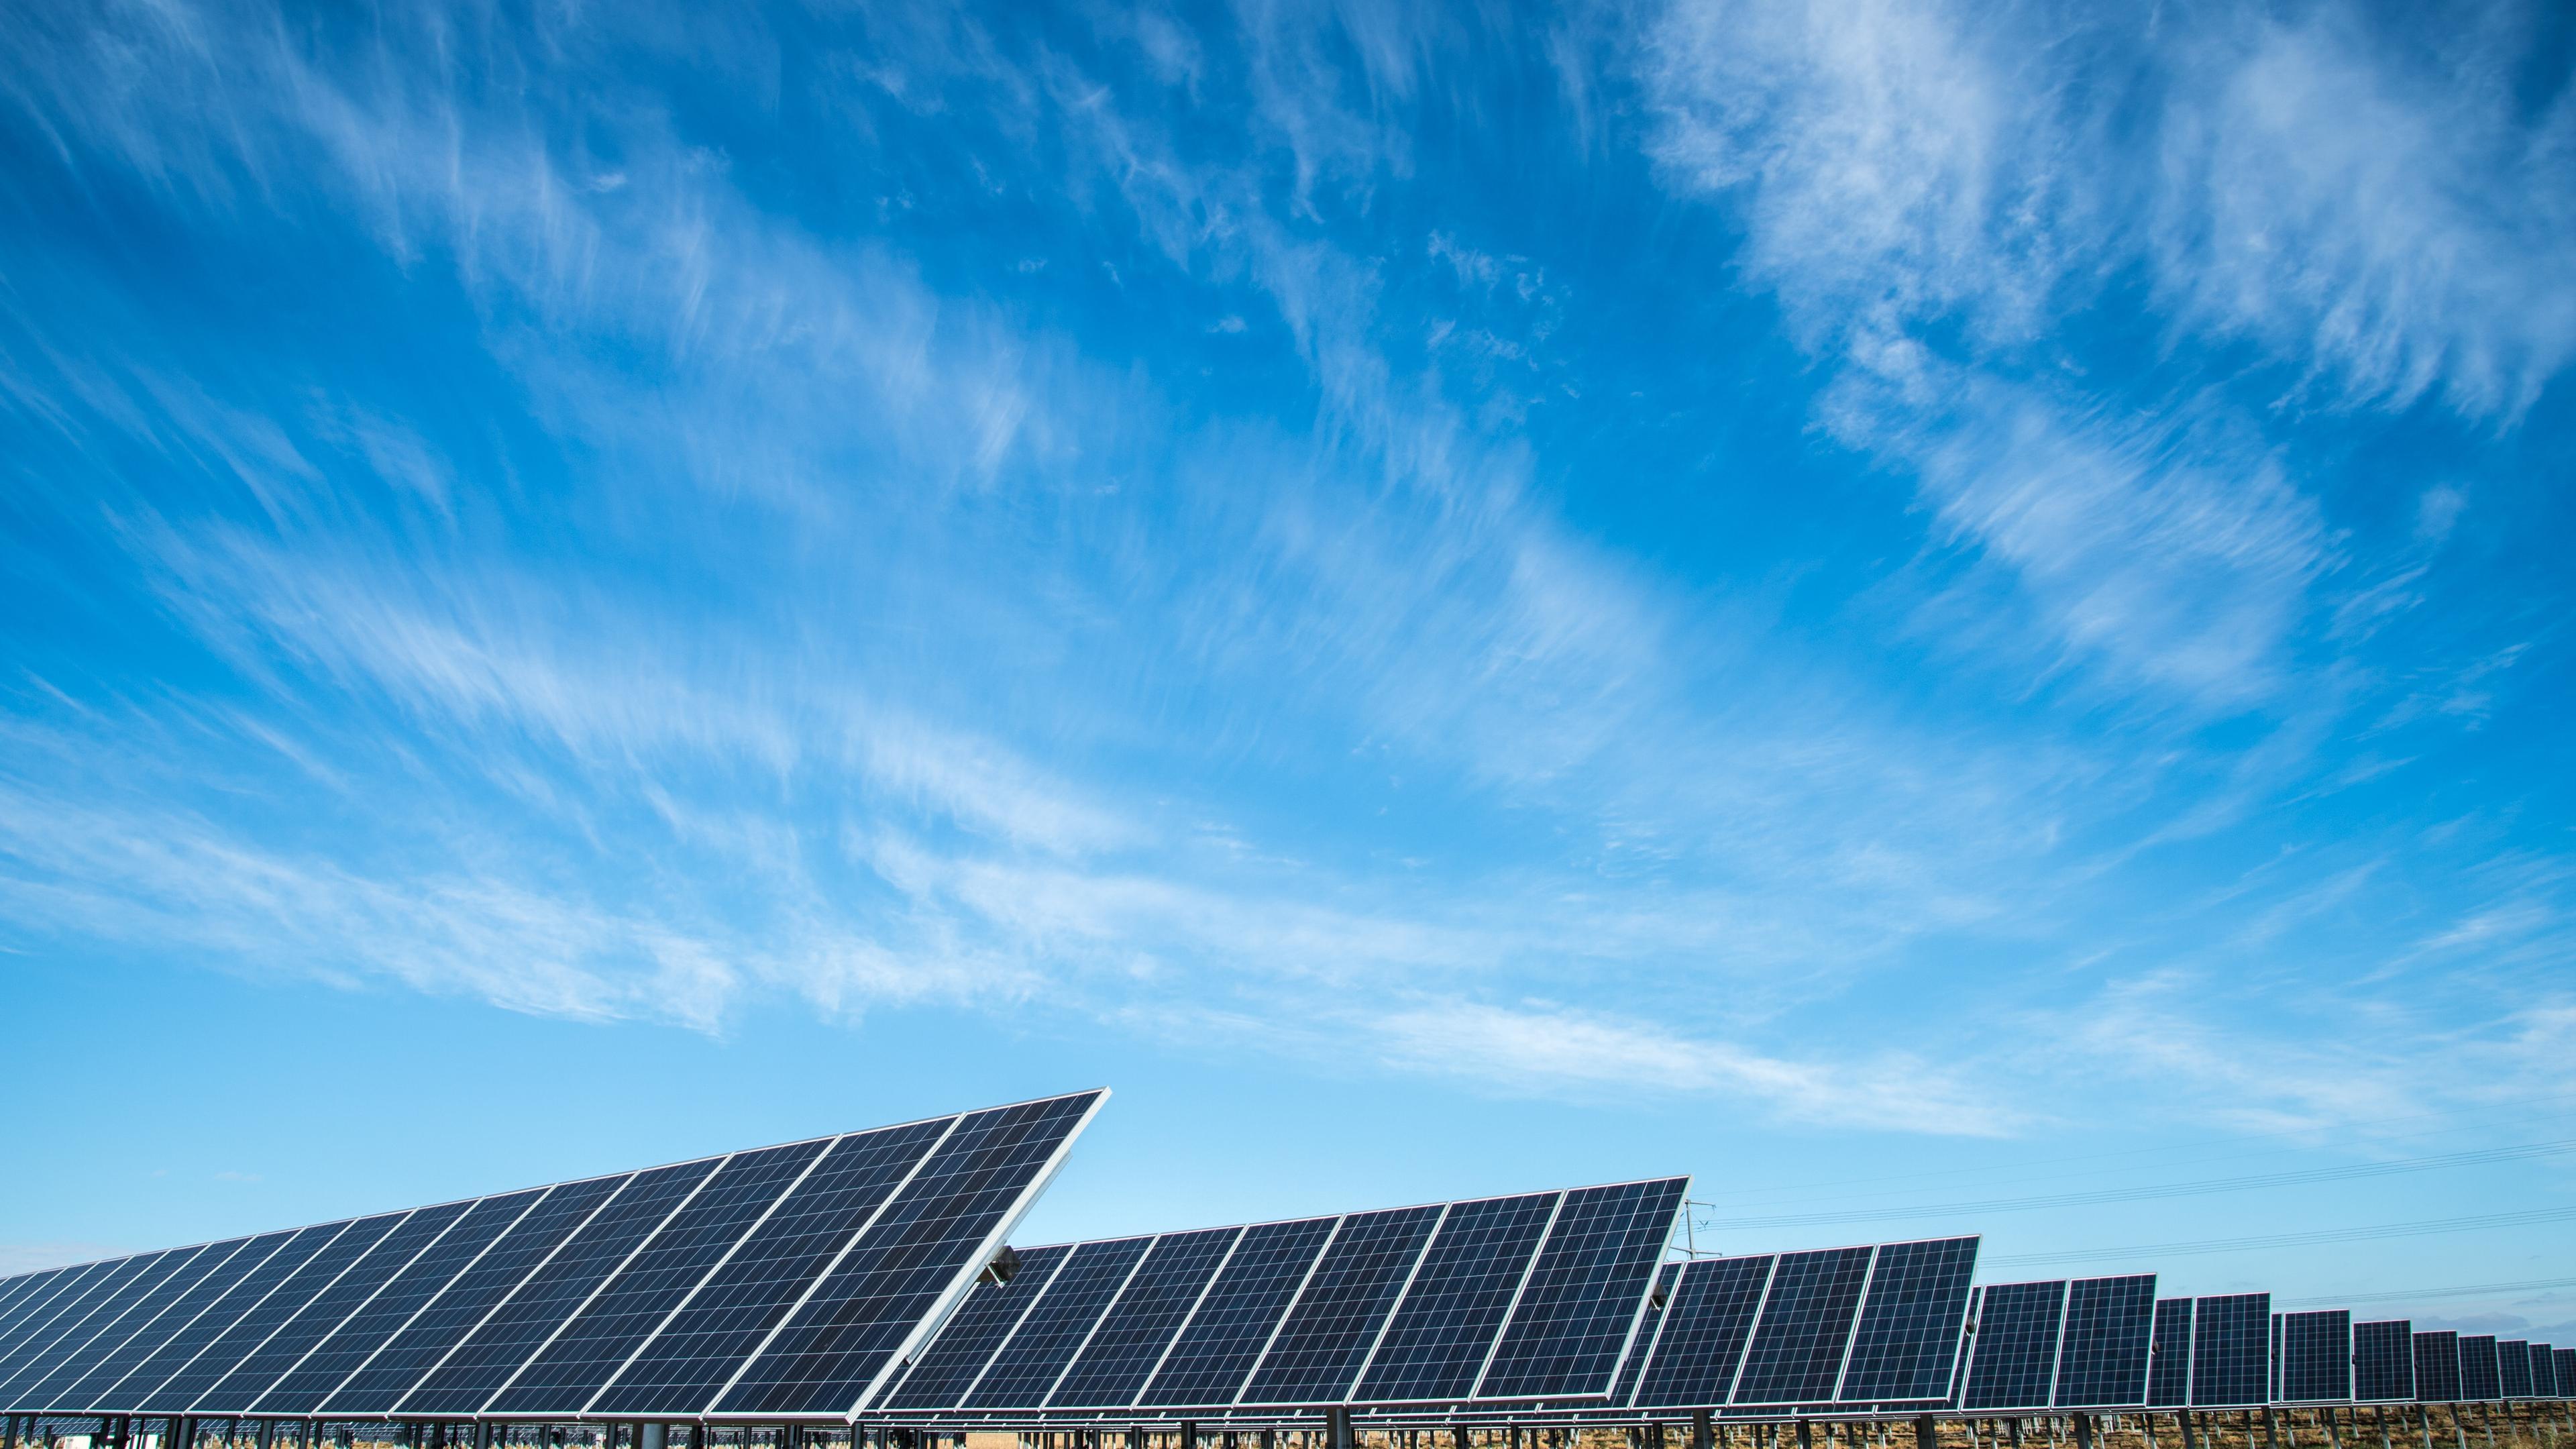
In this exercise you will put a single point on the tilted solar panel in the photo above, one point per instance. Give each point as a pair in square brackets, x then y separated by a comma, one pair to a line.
[1216, 1351]
[798, 1277]
[2383, 1361]
[1706, 1323]
[1911, 1317]
[942, 1373]
[2316, 1357]
[2564, 1361]
[1316, 1356]
[1438, 1340]
[2544, 1372]
[2231, 1350]
[2513, 1368]
[1804, 1326]
[2012, 1358]
[2103, 1354]
[2437, 1367]
[1128, 1341]
[2479, 1381]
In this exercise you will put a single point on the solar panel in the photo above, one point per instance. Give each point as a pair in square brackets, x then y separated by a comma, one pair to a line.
[2383, 1361]
[2231, 1350]
[1438, 1340]
[1025, 1371]
[1707, 1321]
[2513, 1368]
[1316, 1354]
[2479, 1382]
[2564, 1361]
[2102, 1355]
[2012, 1362]
[2272, 1369]
[1803, 1328]
[1668, 1278]
[1216, 1351]
[2437, 1367]
[647, 1293]
[945, 1370]
[1911, 1315]
[2316, 1357]
[2544, 1373]
[1129, 1340]
[1585, 1294]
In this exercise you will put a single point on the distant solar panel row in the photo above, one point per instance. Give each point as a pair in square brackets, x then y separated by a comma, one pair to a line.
[787, 1280]
[1511, 1298]
[1837, 1326]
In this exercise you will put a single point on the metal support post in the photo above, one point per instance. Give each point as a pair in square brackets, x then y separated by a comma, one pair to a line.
[2084, 1431]
[1927, 1431]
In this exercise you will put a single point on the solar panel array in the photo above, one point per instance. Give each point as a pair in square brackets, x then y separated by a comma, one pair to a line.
[2316, 1357]
[1524, 1298]
[2437, 1367]
[1867, 1326]
[787, 1280]
[2383, 1361]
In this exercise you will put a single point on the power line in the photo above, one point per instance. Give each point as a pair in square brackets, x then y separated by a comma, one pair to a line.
[2296, 1240]
[2418, 1295]
[2141, 1194]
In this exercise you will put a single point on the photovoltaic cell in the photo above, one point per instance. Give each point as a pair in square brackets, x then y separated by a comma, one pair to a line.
[2544, 1372]
[2316, 1357]
[379, 1385]
[2513, 1368]
[1908, 1340]
[607, 1331]
[1707, 1321]
[2012, 1361]
[869, 1309]
[319, 1310]
[2231, 1350]
[37, 1305]
[2478, 1380]
[1130, 1338]
[1444, 1329]
[41, 1324]
[123, 1303]
[337, 1347]
[1215, 1353]
[943, 1372]
[2169, 1367]
[287, 1292]
[2437, 1367]
[2383, 1361]
[1317, 1353]
[194, 1358]
[1034, 1356]
[745, 1300]
[99, 1374]
[1572, 1323]
[2109, 1338]
[1805, 1323]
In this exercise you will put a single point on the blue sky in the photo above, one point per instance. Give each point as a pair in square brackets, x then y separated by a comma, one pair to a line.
[1893, 604]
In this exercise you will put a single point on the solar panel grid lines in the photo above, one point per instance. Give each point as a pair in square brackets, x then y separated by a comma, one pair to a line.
[1668, 1280]
[1804, 1326]
[207, 1355]
[2437, 1367]
[97, 1374]
[341, 1333]
[2317, 1357]
[1403, 1291]
[2169, 1361]
[75, 1284]
[309, 1320]
[2564, 1361]
[1315, 1355]
[2104, 1351]
[1093, 1330]
[2019, 1326]
[1217, 1350]
[1180, 1329]
[1905, 1341]
[2231, 1351]
[1706, 1329]
[1026, 1367]
[2544, 1373]
[2513, 1368]
[420, 1285]
[1137, 1328]
[114, 1298]
[631, 1303]
[1842, 1367]
[1586, 1293]
[35, 1291]
[869, 1311]
[2383, 1361]
[723, 1326]
[1520, 1290]
[1447, 1324]
[949, 1366]
[2479, 1382]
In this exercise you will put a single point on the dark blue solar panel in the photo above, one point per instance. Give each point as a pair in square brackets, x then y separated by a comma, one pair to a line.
[1033, 1357]
[496, 1349]
[43, 1298]
[2478, 1380]
[2013, 1359]
[2544, 1372]
[1572, 1324]
[835, 1352]
[124, 1300]
[1318, 1351]
[944, 1371]
[380, 1385]
[2316, 1356]
[1216, 1352]
[1445, 1328]
[320, 1311]
[199, 1354]
[1668, 1280]
[107, 1371]
[314, 1263]
[73, 1294]
[635, 1300]
[1707, 1323]
[2513, 1367]
[1806, 1322]
[2564, 1361]
[2437, 1367]
[2231, 1350]
[2169, 1367]
[1130, 1339]
[2383, 1361]
[744, 1300]
[1908, 1339]
[2102, 1356]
